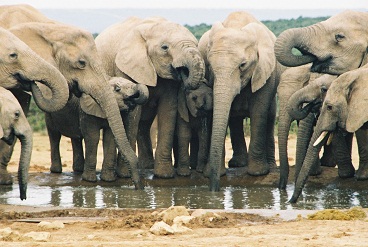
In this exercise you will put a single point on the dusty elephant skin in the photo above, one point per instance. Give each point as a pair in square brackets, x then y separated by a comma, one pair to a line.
[341, 111]
[251, 66]
[167, 53]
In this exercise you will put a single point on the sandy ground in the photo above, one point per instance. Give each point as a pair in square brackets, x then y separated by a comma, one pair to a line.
[131, 227]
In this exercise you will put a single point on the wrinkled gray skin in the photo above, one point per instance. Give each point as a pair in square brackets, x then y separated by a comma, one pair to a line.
[239, 56]
[343, 110]
[162, 55]
[299, 87]
[193, 128]
[74, 122]
[14, 124]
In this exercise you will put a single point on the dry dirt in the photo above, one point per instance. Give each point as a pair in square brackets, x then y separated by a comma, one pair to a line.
[130, 227]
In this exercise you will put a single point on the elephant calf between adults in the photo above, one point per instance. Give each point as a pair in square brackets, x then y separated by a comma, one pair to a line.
[14, 124]
[162, 55]
[239, 56]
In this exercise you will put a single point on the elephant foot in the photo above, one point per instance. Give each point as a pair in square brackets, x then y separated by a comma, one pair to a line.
[346, 171]
[122, 170]
[362, 173]
[183, 170]
[207, 171]
[108, 175]
[89, 176]
[237, 161]
[200, 168]
[56, 168]
[5, 178]
[258, 168]
[164, 170]
[78, 167]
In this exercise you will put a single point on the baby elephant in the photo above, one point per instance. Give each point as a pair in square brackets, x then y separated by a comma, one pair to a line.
[92, 120]
[194, 123]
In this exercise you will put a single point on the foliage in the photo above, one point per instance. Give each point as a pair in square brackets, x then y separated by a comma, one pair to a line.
[36, 118]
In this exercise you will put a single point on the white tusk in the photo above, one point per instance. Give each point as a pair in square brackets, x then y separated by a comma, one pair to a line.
[320, 138]
[329, 140]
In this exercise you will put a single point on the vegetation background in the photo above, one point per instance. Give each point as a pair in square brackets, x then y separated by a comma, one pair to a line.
[36, 116]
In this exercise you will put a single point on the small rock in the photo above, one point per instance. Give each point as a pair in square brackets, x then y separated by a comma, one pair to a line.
[169, 214]
[51, 225]
[179, 228]
[183, 220]
[198, 212]
[161, 228]
[90, 237]
[5, 232]
[38, 236]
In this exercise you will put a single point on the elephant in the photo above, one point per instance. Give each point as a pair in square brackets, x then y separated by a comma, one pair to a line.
[240, 59]
[13, 123]
[162, 55]
[193, 128]
[334, 46]
[299, 86]
[343, 112]
[73, 52]
[128, 95]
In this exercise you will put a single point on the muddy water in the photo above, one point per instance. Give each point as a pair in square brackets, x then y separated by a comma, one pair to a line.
[251, 197]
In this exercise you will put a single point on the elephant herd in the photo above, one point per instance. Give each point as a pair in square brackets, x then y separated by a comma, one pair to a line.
[139, 70]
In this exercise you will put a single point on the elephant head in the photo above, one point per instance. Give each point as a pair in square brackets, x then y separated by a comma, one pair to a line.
[334, 46]
[74, 53]
[144, 49]
[343, 109]
[13, 123]
[127, 94]
[235, 57]
[21, 67]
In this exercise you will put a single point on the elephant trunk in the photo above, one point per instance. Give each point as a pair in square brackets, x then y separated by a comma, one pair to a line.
[26, 140]
[52, 79]
[294, 38]
[309, 94]
[223, 96]
[310, 159]
[142, 94]
[191, 69]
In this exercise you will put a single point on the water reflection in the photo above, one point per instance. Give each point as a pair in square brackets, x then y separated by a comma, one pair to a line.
[231, 197]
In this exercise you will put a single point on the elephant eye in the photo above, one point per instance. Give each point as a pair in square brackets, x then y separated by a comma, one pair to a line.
[117, 88]
[194, 97]
[329, 107]
[242, 65]
[323, 89]
[17, 114]
[81, 63]
[339, 37]
[164, 47]
[13, 55]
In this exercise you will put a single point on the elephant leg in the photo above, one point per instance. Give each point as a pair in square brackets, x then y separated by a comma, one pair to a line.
[175, 149]
[130, 121]
[341, 146]
[145, 150]
[184, 135]
[362, 141]
[54, 139]
[204, 140]
[328, 158]
[6, 152]
[109, 159]
[240, 154]
[271, 159]
[194, 152]
[78, 155]
[91, 136]
[166, 120]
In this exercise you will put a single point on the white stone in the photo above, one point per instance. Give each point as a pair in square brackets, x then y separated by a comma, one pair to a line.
[169, 214]
[5, 232]
[51, 225]
[179, 228]
[198, 212]
[183, 220]
[161, 228]
[38, 236]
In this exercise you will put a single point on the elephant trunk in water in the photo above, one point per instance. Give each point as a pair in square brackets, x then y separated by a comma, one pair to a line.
[294, 38]
[51, 77]
[223, 96]
[26, 140]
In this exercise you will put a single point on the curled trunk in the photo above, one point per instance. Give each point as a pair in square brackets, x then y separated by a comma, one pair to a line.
[143, 94]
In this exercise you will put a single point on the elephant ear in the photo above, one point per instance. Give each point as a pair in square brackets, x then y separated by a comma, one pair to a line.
[266, 56]
[358, 99]
[204, 46]
[182, 105]
[89, 106]
[133, 60]
[33, 34]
